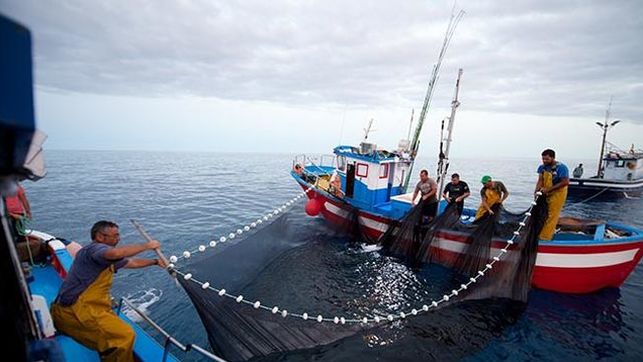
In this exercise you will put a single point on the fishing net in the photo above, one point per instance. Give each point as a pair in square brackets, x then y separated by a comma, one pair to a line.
[240, 332]
[467, 247]
[275, 264]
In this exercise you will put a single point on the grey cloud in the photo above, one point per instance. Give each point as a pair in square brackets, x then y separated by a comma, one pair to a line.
[540, 57]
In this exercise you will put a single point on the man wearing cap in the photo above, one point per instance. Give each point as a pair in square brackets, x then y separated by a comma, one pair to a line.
[492, 193]
[553, 178]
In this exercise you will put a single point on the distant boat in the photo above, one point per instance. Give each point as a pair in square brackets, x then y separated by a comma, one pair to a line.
[619, 173]
[621, 176]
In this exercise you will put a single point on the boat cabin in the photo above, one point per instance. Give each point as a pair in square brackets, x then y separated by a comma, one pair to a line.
[370, 177]
[623, 166]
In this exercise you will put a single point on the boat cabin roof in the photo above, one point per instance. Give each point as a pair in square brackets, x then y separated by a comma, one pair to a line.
[377, 156]
[626, 156]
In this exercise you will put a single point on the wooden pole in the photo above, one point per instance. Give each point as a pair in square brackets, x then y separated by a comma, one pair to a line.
[148, 238]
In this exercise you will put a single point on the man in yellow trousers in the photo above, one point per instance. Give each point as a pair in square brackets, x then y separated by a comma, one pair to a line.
[553, 178]
[83, 307]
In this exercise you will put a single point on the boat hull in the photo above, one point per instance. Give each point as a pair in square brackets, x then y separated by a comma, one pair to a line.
[565, 267]
[601, 189]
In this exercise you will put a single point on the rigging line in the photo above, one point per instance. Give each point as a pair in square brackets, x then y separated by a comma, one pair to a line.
[594, 196]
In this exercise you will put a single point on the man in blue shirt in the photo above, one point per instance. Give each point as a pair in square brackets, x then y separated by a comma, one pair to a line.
[553, 178]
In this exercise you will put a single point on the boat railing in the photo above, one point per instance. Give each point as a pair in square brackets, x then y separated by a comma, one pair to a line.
[324, 160]
[169, 339]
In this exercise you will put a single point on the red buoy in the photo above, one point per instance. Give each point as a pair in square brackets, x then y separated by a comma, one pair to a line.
[313, 207]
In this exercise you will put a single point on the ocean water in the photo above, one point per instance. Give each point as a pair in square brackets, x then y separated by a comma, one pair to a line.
[187, 199]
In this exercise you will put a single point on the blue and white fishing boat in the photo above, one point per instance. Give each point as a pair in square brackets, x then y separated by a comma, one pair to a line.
[364, 188]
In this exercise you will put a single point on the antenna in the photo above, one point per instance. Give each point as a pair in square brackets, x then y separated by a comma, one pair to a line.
[605, 126]
[368, 129]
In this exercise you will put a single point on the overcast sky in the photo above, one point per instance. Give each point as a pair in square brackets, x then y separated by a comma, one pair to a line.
[302, 76]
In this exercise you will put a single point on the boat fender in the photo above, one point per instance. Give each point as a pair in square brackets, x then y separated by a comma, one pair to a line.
[313, 207]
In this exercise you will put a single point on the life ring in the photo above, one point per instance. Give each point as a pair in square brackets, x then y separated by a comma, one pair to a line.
[631, 165]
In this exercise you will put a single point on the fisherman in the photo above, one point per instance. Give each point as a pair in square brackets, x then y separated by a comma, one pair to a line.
[578, 171]
[335, 187]
[428, 189]
[492, 193]
[299, 170]
[553, 178]
[83, 307]
[456, 191]
[19, 210]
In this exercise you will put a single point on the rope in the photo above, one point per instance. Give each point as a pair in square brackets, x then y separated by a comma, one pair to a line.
[594, 196]
[22, 225]
[222, 292]
[22, 228]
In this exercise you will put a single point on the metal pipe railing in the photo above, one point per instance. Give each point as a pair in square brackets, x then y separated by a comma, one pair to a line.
[169, 339]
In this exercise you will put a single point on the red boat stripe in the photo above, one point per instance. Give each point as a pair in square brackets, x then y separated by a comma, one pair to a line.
[593, 256]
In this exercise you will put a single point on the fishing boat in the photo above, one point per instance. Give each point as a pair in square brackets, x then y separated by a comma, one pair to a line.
[620, 176]
[365, 188]
[33, 269]
[582, 258]
[619, 173]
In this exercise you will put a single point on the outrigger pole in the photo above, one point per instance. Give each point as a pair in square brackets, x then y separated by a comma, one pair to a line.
[443, 163]
[415, 144]
[605, 126]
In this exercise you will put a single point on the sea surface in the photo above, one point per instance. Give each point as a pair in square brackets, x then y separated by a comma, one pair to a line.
[187, 199]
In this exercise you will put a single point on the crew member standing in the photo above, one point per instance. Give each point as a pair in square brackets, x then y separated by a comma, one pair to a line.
[456, 191]
[428, 189]
[553, 178]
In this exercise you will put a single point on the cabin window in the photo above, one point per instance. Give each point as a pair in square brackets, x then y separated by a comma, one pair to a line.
[384, 171]
[361, 170]
[341, 163]
[620, 163]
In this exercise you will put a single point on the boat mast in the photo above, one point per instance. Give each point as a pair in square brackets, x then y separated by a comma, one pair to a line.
[408, 137]
[604, 126]
[443, 163]
[415, 143]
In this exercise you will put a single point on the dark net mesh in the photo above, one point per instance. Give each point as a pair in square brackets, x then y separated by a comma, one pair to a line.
[467, 247]
[239, 331]
[444, 253]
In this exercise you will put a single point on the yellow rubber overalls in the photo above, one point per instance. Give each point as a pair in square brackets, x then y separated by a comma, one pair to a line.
[555, 200]
[492, 197]
[92, 322]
